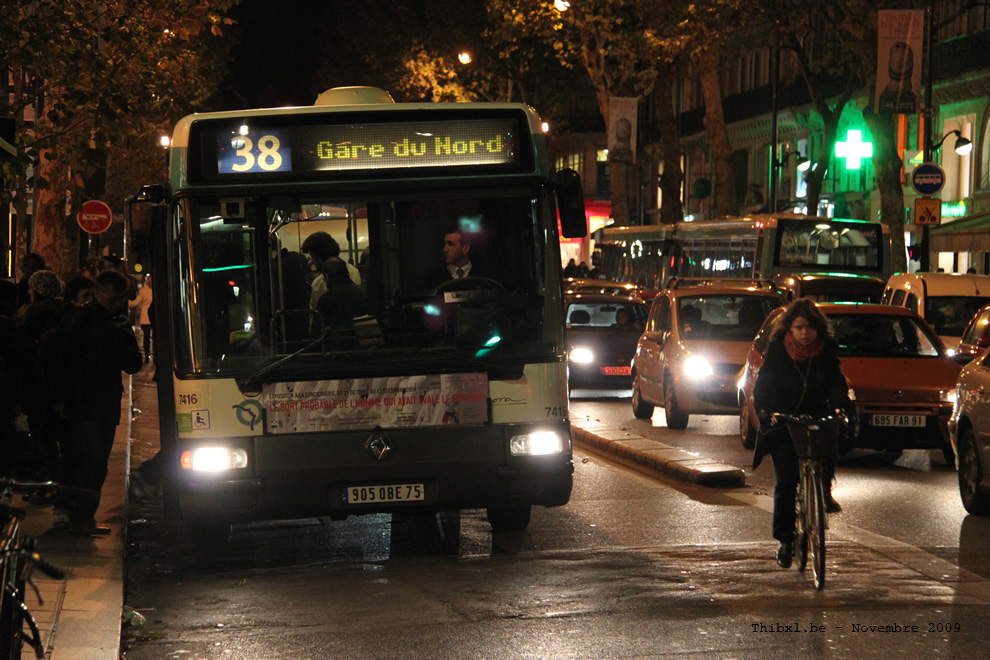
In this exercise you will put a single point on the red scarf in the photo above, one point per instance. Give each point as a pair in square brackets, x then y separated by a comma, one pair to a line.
[800, 353]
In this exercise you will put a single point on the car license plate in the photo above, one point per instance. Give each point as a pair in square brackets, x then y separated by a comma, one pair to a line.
[377, 494]
[912, 421]
[616, 371]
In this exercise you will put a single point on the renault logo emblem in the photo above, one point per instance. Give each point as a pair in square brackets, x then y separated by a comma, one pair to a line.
[379, 447]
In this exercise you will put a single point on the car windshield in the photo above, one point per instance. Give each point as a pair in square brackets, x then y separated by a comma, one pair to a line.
[949, 315]
[620, 315]
[723, 317]
[879, 335]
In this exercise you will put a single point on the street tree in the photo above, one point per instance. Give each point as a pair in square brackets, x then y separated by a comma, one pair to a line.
[612, 40]
[93, 79]
[835, 45]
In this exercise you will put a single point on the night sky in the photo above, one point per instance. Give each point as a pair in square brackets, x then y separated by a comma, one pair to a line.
[278, 55]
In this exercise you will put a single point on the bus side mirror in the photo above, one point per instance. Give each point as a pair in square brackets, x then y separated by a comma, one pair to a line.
[570, 204]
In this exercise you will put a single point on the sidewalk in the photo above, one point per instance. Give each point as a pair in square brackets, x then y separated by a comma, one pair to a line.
[81, 615]
[80, 618]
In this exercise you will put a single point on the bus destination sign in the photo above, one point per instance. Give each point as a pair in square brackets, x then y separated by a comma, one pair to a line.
[307, 149]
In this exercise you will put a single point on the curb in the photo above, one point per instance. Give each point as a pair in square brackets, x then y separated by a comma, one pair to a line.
[665, 460]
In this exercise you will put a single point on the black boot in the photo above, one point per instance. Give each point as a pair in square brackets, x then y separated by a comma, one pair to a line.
[784, 554]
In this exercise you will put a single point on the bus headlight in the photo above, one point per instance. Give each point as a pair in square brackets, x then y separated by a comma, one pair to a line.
[214, 459]
[697, 368]
[582, 355]
[947, 396]
[537, 443]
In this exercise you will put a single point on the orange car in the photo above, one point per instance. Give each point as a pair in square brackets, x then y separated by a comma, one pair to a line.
[689, 358]
[900, 377]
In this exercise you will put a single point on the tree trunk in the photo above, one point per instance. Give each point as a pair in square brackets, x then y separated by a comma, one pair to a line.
[671, 208]
[723, 179]
[888, 164]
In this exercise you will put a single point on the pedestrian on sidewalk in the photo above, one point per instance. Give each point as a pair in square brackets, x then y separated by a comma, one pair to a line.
[39, 319]
[91, 346]
[142, 304]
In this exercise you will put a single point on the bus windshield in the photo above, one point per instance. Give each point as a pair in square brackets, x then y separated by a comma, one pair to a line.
[250, 298]
[845, 246]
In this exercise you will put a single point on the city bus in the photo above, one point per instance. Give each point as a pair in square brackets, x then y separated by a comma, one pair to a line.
[444, 394]
[766, 247]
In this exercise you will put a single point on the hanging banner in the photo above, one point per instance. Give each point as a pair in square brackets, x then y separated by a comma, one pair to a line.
[622, 129]
[900, 43]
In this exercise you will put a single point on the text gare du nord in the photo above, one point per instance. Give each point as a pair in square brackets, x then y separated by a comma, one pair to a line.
[440, 146]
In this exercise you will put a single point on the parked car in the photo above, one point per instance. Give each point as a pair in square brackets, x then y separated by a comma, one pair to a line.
[946, 300]
[970, 432]
[831, 287]
[691, 354]
[976, 337]
[601, 334]
[900, 376]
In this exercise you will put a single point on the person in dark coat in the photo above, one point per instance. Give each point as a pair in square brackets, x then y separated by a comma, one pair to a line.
[39, 319]
[343, 300]
[14, 365]
[90, 348]
[800, 375]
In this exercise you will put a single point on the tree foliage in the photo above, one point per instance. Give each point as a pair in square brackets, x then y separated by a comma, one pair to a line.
[106, 74]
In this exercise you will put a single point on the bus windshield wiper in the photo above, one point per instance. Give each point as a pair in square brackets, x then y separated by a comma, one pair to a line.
[251, 381]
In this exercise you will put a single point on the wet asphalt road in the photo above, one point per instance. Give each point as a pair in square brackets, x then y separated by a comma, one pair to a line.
[633, 566]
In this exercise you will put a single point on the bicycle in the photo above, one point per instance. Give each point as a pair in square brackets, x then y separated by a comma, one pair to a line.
[815, 441]
[18, 559]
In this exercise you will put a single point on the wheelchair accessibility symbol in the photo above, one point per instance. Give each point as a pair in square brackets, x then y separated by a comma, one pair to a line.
[248, 413]
[200, 420]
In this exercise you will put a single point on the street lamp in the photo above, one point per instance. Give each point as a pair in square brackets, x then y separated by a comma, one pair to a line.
[963, 146]
[802, 164]
[464, 57]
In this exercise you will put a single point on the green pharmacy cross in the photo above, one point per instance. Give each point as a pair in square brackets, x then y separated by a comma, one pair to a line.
[854, 150]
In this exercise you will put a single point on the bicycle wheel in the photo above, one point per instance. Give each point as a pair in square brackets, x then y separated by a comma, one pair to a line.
[816, 531]
[801, 525]
[11, 616]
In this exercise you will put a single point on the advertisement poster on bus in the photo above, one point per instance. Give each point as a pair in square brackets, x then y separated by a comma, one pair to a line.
[368, 403]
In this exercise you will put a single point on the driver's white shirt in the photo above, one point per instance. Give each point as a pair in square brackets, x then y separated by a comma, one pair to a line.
[452, 269]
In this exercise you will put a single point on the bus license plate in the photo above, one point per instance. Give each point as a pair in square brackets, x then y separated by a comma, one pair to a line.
[911, 421]
[378, 494]
[616, 371]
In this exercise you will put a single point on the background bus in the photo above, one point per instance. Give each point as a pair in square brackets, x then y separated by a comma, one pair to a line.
[768, 247]
[446, 394]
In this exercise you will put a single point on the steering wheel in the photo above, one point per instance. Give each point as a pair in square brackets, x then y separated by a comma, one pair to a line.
[469, 283]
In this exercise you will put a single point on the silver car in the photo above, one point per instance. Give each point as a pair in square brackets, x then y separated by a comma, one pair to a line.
[969, 427]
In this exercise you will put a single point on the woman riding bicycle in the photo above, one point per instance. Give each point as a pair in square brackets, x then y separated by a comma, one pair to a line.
[800, 375]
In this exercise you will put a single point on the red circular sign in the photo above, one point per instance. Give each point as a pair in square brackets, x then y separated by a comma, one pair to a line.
[95, 217]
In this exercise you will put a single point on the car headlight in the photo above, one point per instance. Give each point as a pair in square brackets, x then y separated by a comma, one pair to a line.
[582, 355]
[537, 443]
[697, 367]
[213, 459]
[947, 396]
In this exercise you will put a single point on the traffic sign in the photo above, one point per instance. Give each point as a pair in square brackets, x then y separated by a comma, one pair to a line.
[927, 179]
[927, 211]
[95, 217]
